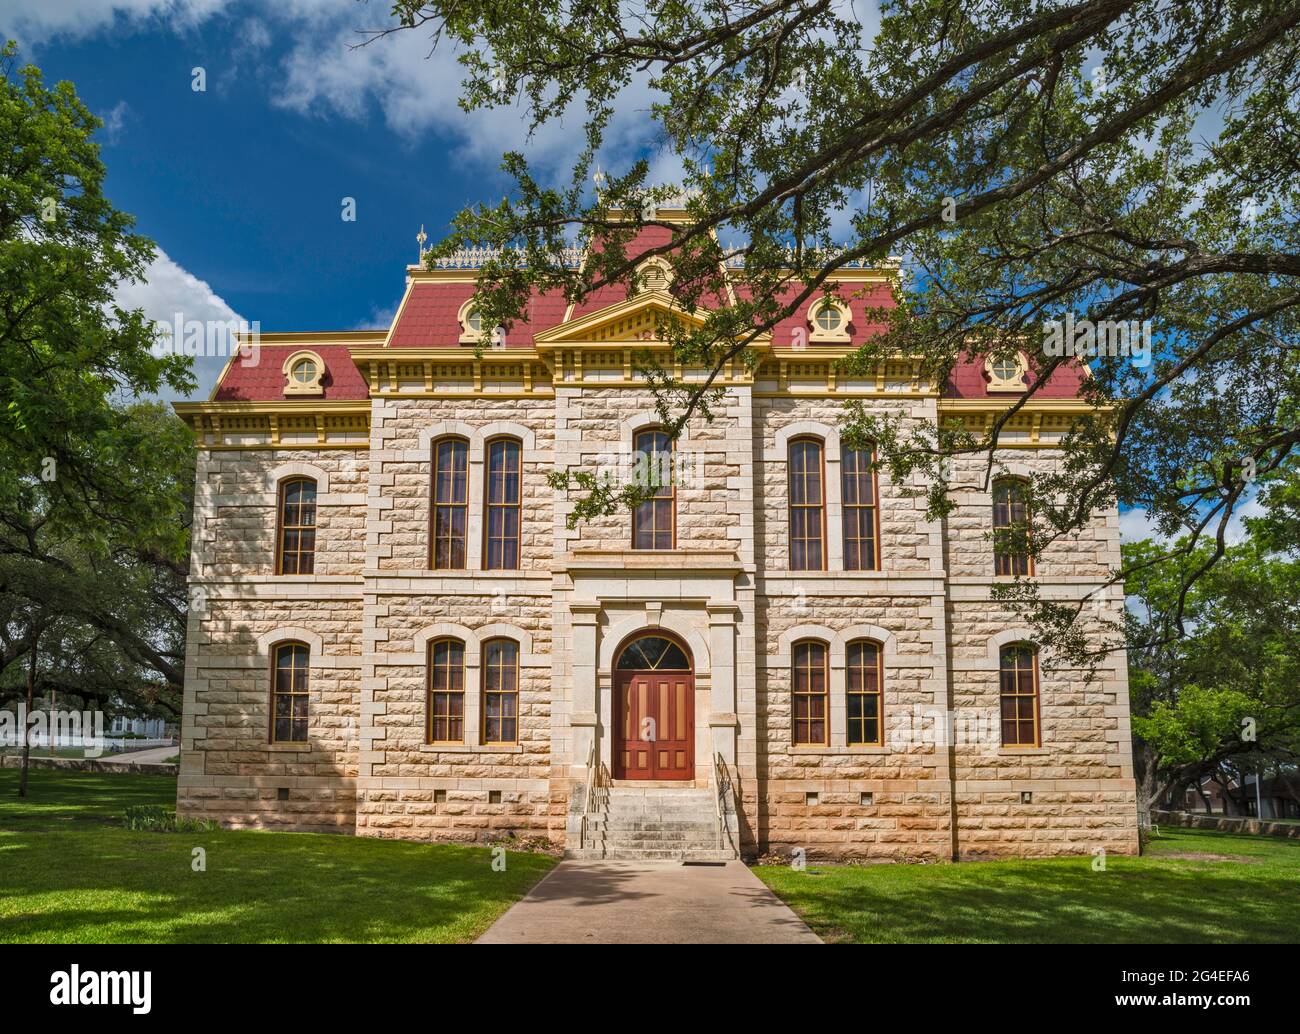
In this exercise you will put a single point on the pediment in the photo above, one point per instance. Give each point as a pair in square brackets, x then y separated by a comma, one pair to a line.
[634, 319]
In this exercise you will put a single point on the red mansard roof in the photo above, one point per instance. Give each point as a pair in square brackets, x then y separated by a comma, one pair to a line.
[263, 381]
[968, 381]
[429, 318]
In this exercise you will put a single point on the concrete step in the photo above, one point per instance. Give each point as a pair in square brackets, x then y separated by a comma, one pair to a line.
[650, 854]
[621, 836]
[648, 827]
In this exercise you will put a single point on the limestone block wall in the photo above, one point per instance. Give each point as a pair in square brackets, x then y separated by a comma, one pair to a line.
[471, 792]
[402, 433]
[1071, 795]
[812, 797]
[239, 610]
[229, 769]
[237, 495]
[1089, 554]
[372, 607]
[409, 788]
[596, 429]
[908, 543]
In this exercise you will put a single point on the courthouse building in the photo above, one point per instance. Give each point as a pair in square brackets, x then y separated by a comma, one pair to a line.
[396, 633]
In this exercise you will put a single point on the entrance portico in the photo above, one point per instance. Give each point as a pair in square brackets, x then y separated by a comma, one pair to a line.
[622, 598]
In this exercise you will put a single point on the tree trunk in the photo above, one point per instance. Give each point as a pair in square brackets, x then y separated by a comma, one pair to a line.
[27, 723]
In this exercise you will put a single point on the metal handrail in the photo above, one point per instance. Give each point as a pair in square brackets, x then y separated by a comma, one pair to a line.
[722, 785]
[596, 773]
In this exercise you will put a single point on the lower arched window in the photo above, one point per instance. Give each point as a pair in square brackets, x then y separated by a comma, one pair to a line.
[500, 691]
[446, 705]
[1018, 690]
[289, 690]
[864, 688]
[809, 692]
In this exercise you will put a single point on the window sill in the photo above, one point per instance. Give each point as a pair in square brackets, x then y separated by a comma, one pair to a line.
[797, 749]
[470, 748]
[291, 747]
[1029, 752]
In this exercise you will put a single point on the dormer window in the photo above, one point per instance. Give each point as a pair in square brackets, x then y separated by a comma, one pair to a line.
[654, 276]
[1006, 372]
[471, 323]
[829, 318]
[303, 372]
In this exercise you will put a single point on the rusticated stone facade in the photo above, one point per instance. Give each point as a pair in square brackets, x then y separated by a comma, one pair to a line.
[564, 389]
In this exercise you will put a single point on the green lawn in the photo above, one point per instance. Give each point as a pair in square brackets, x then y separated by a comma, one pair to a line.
[1246, 891]
[69, 872]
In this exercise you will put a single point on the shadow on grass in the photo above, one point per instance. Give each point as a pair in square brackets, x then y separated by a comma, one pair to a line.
[1136, 900]
[72, 873]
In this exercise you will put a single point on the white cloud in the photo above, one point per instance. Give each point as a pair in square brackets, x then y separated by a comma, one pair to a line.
[37, 20]
[115, 119]
[168, 290]
[1235, 534]
[1136, 525]
[415, 91]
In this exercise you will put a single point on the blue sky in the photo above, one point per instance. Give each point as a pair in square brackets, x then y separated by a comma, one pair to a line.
[242, 185]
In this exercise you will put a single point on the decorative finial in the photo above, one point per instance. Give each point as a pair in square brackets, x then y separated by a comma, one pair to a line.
[420, 238]
[599, 178]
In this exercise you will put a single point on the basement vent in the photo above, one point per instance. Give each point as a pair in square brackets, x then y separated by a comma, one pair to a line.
[866, 797]
[439, 796]
[494, 797]
[810, 799]
[282, 794]
[1026, 797]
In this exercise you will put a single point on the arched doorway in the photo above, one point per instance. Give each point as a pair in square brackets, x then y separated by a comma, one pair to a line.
[654, 709]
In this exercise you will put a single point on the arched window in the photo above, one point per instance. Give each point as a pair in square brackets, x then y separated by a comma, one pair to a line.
[450, 498]
[864, 687]
[500, 691]
[807, 506]
[1018, 689]
[289, 693]
[1011, 528]
[809, 691]
[297, 538]
[654, 521]
[446, 704]
[858, 499]
[501, 505]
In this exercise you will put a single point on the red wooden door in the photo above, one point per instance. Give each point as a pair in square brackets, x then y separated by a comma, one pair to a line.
[654, 725]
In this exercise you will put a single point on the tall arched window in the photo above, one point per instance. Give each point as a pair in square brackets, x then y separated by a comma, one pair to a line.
[1018, 690]
[858, 500]
[809, 692]
[289, 691]
[500, 691]
[654, 521]
[501, 504]
[450, 499]
[446, 703]
[864, 688]
[1011, 528]
[807, 506]
[296, 541]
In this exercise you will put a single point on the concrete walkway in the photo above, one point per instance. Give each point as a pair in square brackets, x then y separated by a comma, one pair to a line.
[581, 902]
